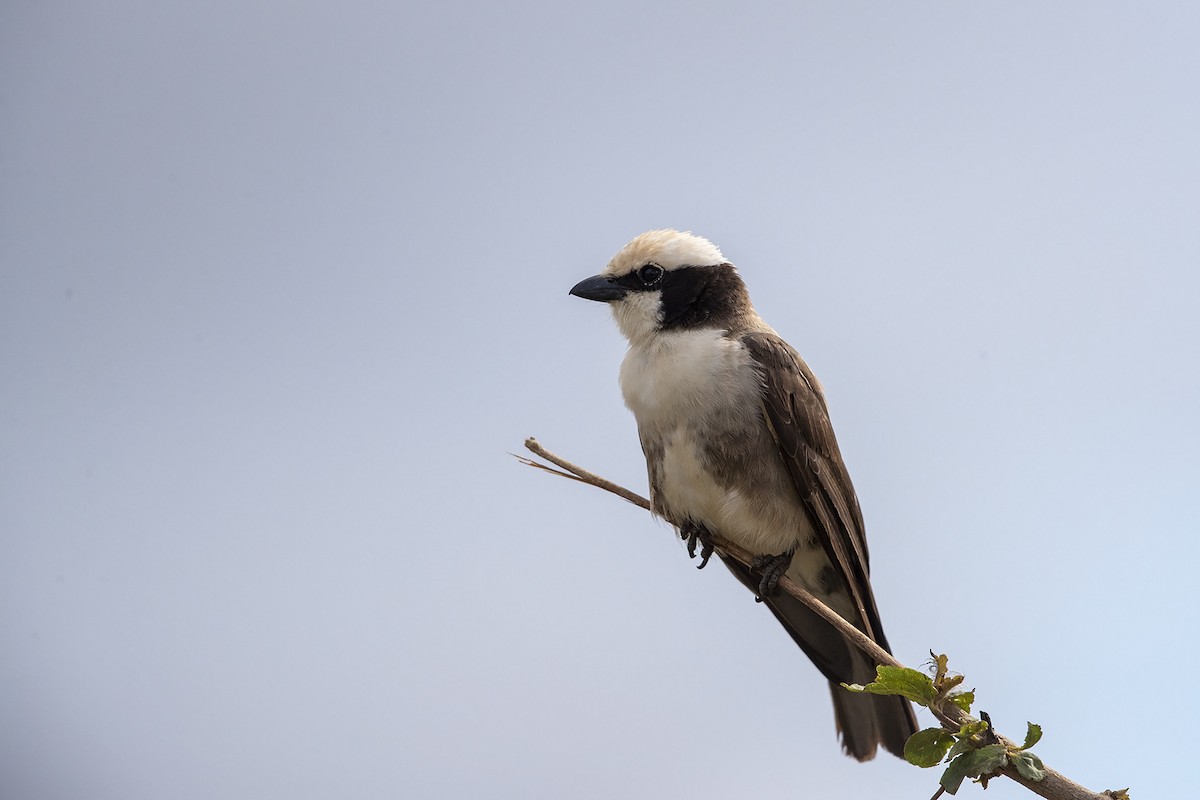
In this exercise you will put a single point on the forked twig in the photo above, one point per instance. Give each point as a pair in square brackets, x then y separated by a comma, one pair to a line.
[579, 473]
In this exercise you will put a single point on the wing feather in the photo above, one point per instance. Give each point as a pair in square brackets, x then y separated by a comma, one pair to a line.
[794, 405]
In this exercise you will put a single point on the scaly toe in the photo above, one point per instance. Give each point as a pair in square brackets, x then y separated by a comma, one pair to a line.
[772, 568]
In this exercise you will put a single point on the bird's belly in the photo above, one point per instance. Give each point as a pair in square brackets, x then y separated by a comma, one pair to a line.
[765, 521]
[753, 519]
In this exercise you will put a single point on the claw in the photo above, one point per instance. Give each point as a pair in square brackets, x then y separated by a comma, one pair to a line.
[772, 569]
[694, 533]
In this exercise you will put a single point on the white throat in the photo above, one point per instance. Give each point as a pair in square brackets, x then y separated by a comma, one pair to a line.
[638, 316]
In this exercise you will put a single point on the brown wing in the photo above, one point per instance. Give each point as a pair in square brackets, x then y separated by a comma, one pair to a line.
[795, 408]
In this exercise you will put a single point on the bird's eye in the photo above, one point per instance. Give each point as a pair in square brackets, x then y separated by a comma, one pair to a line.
[650, 274]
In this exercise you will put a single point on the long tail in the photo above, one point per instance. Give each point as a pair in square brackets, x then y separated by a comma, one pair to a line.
[864, 721]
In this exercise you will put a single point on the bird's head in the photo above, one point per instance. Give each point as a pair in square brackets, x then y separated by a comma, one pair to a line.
[668, 280]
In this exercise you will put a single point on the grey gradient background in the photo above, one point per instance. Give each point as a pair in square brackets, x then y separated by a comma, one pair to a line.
[280, 284]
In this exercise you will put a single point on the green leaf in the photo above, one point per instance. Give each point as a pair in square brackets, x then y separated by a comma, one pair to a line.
[1032, 735]
[1029, 765]
[983, 761]
[972, 729]
[960, 747]
[928, 747]
[955, 773]
[963, 700]
[989, 759]
[903, 681]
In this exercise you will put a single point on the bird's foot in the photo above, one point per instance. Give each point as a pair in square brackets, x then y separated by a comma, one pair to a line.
[772, 569]
[692, 533]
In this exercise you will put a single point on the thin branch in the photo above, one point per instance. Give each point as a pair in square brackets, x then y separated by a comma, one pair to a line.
[724, 546]
[581, 474]
[1053, 786]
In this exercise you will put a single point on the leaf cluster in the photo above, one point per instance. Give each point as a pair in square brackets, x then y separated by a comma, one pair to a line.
[974, 750]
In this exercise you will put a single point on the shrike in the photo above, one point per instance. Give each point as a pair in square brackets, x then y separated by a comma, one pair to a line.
[738, 443]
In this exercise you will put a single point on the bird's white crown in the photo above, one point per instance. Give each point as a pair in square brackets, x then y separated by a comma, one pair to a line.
[666, 248]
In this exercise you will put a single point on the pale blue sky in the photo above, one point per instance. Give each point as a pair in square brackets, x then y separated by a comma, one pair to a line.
[281, 283]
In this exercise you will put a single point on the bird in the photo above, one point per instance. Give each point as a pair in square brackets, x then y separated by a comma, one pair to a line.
[738, 444]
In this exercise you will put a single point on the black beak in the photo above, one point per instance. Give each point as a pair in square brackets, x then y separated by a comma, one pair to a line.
[598, 287]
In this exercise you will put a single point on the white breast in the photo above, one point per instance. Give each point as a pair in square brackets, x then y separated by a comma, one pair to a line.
[677, 376]
[686, 388]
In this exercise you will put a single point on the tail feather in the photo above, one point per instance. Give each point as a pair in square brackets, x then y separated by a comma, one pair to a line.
[864, 721]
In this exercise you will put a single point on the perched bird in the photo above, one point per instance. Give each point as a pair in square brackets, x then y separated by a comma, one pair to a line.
[738, 444]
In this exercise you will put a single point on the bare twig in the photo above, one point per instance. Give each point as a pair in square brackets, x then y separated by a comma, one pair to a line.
[1053, 786]
[581, 474]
